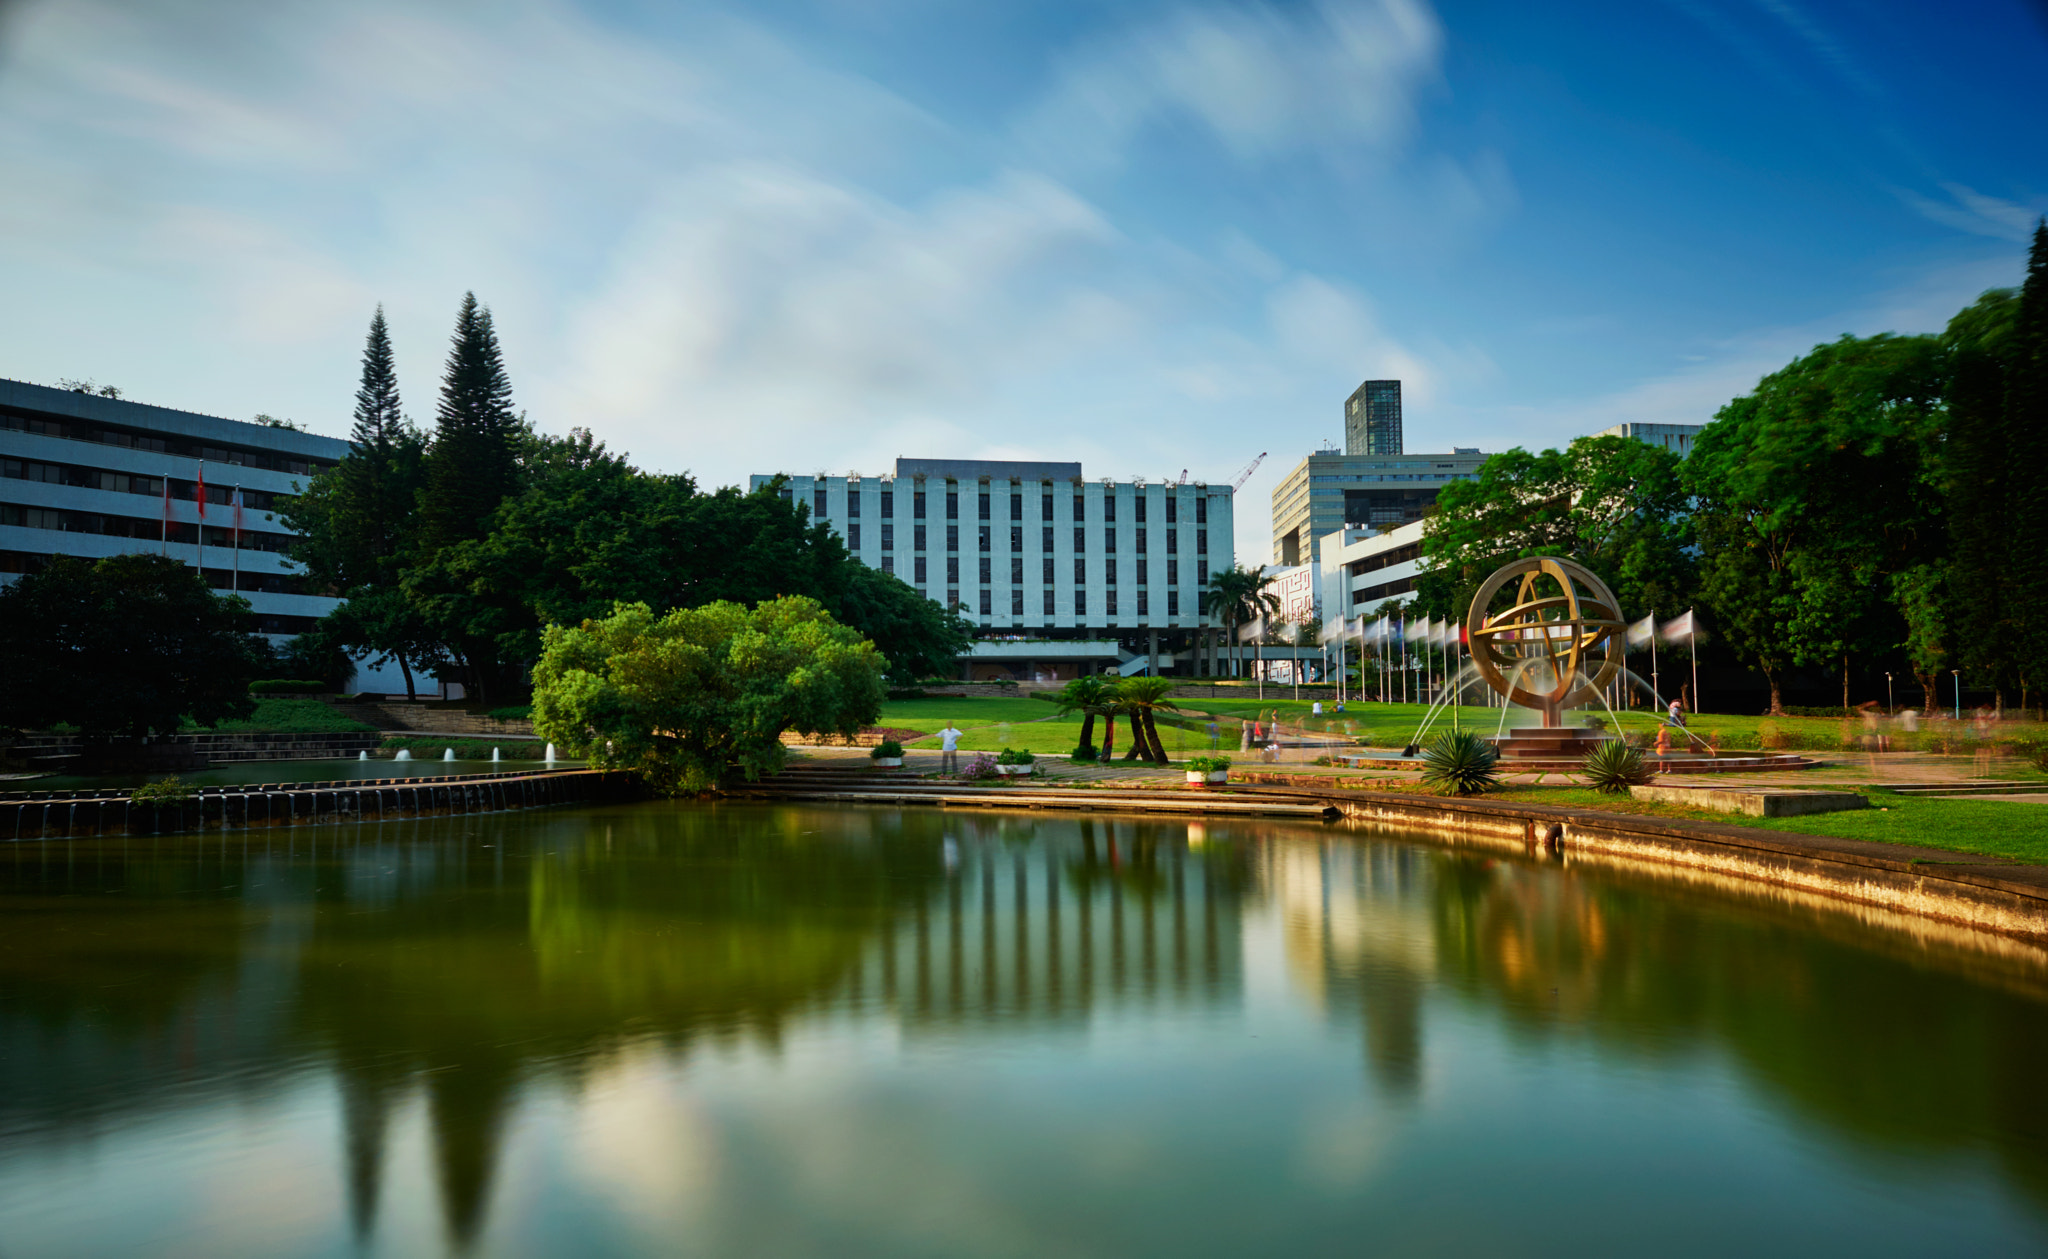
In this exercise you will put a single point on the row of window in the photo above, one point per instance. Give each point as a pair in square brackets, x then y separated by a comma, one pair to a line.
[917, 507]
[125, 483]
[66, 521]
[1138, 536]
[79, 430]
[1142, 571]
[1109, 603]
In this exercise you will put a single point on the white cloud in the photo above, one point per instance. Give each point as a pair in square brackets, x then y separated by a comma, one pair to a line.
[1975, 212]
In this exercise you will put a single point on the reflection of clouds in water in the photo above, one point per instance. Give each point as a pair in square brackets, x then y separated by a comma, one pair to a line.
[639, 1139]
[1342, 1145]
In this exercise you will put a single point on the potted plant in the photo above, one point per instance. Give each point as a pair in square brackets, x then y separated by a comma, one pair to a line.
[888, 754]
[1014, 763]
[1208, 769]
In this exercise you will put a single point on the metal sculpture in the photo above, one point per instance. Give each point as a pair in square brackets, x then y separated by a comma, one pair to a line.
[1549, 651]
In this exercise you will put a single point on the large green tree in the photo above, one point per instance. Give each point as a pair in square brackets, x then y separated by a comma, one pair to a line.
[2026, 435]
[1240, 595]
[131, 645]
[690, 699]
[473, 464]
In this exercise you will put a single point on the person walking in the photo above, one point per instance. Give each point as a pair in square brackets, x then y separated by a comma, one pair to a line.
[1677, 712]
[949, 749]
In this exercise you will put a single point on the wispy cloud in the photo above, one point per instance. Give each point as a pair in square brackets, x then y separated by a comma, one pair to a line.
[1975, 212]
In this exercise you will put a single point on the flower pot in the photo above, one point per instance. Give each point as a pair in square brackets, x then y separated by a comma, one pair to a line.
[1219, 775]
[888, 762]
[1015, 771]
[1197, 776]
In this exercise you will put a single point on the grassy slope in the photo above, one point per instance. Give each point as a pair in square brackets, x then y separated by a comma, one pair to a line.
[285, 715]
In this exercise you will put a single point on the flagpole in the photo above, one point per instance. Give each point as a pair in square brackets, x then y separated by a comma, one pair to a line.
[1692, 638]
[199, 530]
[235, 583]
[1655, 688]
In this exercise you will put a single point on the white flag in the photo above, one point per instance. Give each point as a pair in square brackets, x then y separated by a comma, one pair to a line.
[1677, 630]
[1640, 633]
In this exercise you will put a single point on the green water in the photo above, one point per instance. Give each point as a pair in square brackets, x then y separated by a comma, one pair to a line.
[765, 1031]
[423, 765]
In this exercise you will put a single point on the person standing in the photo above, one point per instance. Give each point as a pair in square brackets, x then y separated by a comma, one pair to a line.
[949, 749]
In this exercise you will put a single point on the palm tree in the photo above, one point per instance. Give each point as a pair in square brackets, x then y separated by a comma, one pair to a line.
[1086, 696]
[1142, 697]
[1240, 595]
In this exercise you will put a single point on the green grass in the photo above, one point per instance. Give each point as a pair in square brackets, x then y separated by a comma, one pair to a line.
[283, 715]
[966, 714]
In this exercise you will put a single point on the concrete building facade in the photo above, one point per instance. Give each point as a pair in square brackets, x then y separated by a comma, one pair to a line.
[1327, 492]
[1361, 569]
[1678, 438]
[1036, 554]
[1372, 419]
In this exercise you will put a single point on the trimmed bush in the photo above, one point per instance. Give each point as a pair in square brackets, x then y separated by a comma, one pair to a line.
[1015, 756]
[905, 692]
[289, 686]
[162, 791]
[1614, 767]
[1085, 752]
[1460, 763]
[886, 748]
[1207, 764]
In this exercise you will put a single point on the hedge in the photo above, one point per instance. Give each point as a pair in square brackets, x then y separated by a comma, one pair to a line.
[289, 686]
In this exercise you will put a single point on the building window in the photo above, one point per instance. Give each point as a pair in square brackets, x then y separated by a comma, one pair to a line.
[984, 538]
[1173, 542]
[1201, 541]
[953, 600]
[1048, 570]
[788, 494]
[1080, 539]
[1045, 511]
[952, 537]
[952, 570]
[1144, 571]
[1016, 537]
[1109, 508]
[888, 503]
[1109, 603]
[988, 599]
[1144, 601]
[1172, 510]
[1080, 509]
[1080, 572]
[853, 537]
[917, 537]
[1080, 603]
[1201, 511]
[821, 512]
[852, 503]
[889, 565]
[985, 564]
[1141, 542]
[1201, 572]
[1109, 541]
[888, 536]
[1109, 572]
[1173, 603]
[1046, 541]
[952, 505]
[1017, 572]
[1173, 572]
[920, 570]
[1048, 603]
[1016, 603]
[984, 513]
[1017, 511]
[1201, 603]
[917, 504]
[1140, 516]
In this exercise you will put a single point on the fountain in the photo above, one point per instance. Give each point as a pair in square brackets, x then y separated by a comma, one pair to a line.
[404, 754]
[1547, 652]
[551, 754]
[362, 756]
[448, 754]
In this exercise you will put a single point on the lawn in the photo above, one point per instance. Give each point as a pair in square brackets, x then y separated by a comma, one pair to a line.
[286, 715]
[966, 714]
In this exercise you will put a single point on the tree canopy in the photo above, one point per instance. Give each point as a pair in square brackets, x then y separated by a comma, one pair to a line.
[689, 699]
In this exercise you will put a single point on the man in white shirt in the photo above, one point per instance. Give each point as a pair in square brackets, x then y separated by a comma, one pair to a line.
[949, 749]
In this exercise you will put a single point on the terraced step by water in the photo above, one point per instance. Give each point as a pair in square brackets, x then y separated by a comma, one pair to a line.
[1974, 787]
[879, 787]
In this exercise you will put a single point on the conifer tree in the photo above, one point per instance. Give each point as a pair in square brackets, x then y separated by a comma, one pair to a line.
[1978, 347]
[2026, 439]
[473, 464]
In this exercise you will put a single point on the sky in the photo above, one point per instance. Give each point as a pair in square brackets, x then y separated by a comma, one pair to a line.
[814, 235]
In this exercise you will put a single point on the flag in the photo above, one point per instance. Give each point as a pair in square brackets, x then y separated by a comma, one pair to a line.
[201, 495]
[167, 511]
[238, 515]
[1639, 633]
[1678, 629]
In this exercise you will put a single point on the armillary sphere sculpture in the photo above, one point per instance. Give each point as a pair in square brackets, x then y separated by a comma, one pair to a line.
[1551, 650]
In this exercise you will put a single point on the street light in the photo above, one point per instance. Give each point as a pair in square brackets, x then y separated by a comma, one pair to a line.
[1957, 674]
[1889, 703]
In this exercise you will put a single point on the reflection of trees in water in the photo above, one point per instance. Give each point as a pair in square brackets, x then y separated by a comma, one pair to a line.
[1914, 1052]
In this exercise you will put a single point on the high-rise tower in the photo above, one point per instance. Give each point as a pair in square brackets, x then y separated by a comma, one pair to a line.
[1372, 419]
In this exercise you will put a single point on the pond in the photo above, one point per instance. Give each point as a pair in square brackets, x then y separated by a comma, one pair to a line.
[253, 772]
[762, 1029]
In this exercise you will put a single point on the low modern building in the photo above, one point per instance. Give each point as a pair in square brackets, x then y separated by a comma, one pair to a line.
[1673, 437]
[1037, 555]
[1361, 569]
[86, 475]
[1327, 492]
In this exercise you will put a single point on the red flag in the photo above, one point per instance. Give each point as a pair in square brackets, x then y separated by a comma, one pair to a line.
[238, 513]
[202, 489]
[166, 539]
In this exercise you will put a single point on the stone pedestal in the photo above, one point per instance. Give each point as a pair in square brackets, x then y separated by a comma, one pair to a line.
[1548, 743]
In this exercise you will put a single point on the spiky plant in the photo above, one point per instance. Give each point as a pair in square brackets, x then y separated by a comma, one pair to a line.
[1614, 767]
[1460, 764]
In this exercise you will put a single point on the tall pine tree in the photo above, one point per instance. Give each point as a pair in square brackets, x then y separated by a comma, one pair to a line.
[1979, 474]
[2026, 436]
[473, 464]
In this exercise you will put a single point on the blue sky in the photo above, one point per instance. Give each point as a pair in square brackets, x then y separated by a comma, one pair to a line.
[814, 235]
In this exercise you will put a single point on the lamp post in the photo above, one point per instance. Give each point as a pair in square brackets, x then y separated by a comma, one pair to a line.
[1957, 674]
[1889, 703]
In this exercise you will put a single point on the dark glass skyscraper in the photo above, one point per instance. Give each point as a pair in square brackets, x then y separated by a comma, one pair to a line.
[1372, 419]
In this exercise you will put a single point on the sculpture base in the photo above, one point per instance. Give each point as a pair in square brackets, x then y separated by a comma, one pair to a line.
[1548, 743]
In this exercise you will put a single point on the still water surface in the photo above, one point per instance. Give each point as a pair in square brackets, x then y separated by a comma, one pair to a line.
[761, 1030]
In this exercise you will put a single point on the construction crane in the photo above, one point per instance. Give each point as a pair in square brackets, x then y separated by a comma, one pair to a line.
[1183, 477]
[1246, 475]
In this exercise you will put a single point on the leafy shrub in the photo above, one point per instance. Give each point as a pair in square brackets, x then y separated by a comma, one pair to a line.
[1084, 752]
[1207, 764]
[518, 712]
[1322, 760]
[1460, 763]
[982, 766]
[289, 686]
[1614, 767]
[162, 791]
[1014, 756]
[887, 748]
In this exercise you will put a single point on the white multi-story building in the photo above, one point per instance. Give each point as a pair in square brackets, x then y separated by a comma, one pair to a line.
[1361, 569]
[1678, 438]
[1037, 555]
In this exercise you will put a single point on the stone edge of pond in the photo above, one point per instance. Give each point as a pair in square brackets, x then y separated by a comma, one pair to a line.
[1986, 893]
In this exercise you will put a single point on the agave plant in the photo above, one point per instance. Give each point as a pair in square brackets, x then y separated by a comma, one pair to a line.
[1460, 764]
[1614, 767]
